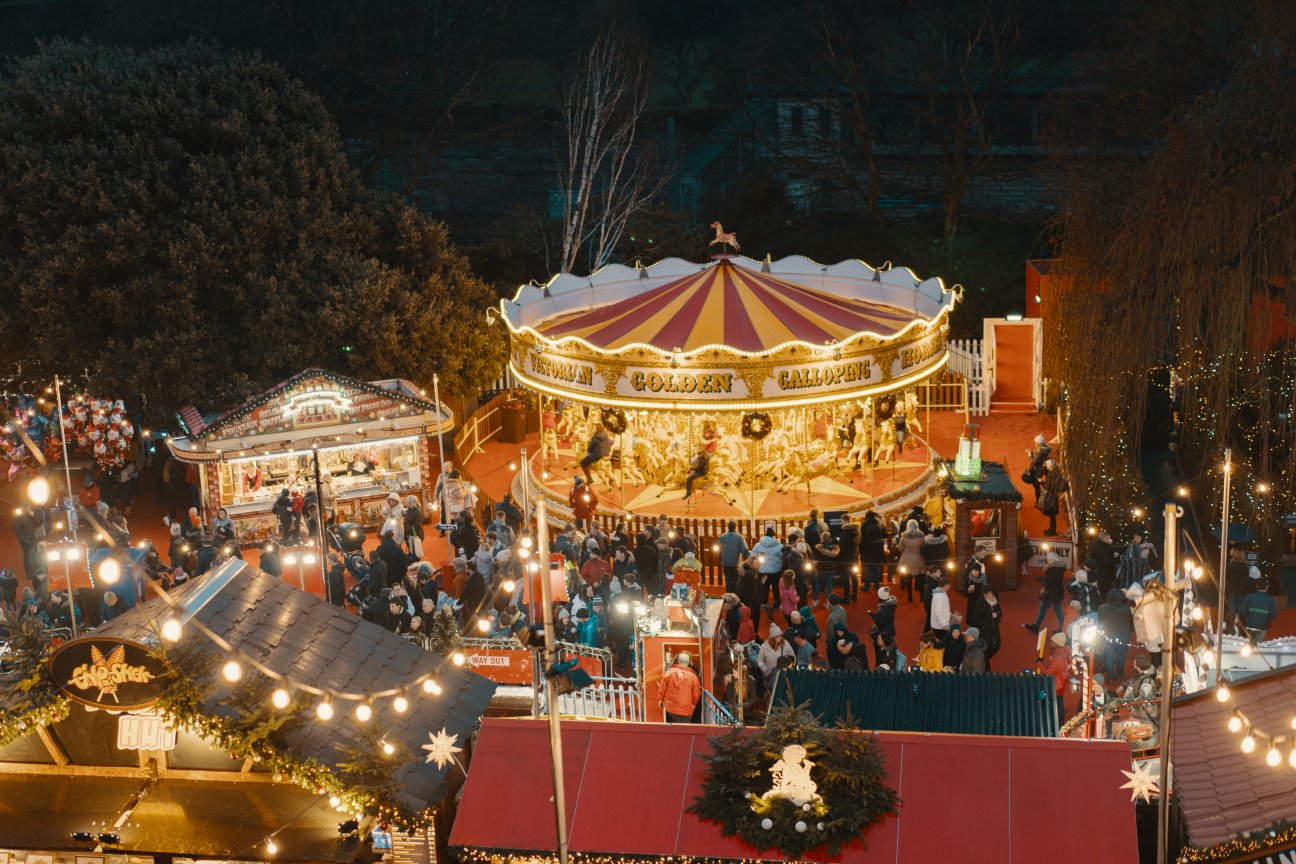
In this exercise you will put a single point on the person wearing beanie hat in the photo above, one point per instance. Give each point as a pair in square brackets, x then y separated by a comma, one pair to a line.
[771, 650]
[1058, 665]
[974, 656]
[883, 617]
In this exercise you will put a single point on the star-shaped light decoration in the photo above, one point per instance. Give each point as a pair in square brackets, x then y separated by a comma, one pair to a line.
[1141, 782]
[442, 749]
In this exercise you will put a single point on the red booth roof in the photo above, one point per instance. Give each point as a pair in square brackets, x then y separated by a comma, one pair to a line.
[728, 305]
[965, 798]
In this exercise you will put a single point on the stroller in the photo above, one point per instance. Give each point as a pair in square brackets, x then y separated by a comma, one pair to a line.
[348, 539]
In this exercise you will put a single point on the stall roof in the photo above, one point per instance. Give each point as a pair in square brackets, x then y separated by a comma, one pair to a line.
[1224, 791]
[991, 704]
[996, 488]
[964, 798]
[227, 821]
[314, 642]
[387, 407]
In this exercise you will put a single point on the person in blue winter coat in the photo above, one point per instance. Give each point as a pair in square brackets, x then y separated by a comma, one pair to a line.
[768, 555]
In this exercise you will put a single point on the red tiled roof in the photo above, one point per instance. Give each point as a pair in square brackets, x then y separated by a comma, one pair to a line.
[1225, 792]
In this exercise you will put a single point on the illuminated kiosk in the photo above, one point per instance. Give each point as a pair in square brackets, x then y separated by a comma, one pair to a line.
[787, 373]
[372, 439]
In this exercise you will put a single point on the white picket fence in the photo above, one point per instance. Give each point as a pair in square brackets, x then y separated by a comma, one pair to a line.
[968, 360]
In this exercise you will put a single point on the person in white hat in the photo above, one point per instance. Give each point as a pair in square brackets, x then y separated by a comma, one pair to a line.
[680, 690]
[771, 650]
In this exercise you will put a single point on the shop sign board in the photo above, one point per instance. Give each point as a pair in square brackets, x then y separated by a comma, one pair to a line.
[514, 666]
[108, 673]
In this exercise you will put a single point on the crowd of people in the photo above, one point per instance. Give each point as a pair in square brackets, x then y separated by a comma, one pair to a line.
[786, 602]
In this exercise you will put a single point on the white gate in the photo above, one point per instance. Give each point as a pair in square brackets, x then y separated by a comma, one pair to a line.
[967, 360]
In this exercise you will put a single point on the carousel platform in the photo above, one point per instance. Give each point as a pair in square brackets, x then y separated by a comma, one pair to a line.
[1005, 439]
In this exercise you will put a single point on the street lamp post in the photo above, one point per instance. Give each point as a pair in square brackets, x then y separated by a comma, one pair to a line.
[1170, 574]
[38, 492]
[1223, 567]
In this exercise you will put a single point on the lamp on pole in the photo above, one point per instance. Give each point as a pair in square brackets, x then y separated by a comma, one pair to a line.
[550, 684]
[1170, 575]
[1223, 566]
[301, 557]
[442, 482]
[38, 492]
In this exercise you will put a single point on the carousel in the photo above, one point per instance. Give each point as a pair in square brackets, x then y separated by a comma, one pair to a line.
[733, 388]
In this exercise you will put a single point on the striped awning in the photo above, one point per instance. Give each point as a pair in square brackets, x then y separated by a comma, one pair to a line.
[731, 306]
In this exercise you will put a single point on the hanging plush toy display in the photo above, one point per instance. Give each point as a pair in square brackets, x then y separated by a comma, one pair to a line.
[92, 427]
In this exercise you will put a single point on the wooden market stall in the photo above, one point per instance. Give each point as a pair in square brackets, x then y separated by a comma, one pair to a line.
[986, 508]
[371, 439]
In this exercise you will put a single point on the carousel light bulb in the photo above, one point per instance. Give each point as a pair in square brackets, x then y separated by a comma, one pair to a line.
[998, 557]
[1199, 572]
[715, 547]
[364, 714]
[512, 466]
[279, 698]
[1293, 723]
[324, 711]
[400, 704]
[1196, 613]
[544, 475]
[232, 671]
[949, 565]
[171, 630]
[509, 586]
[1245, 651]
[807, 566]
[527, 542]
[458, 658]
[1291, 758]
[670, 535]
[1235, 724]
[1182, 491]
[524, 552]
[431, 688]
[1273, 758]
[1262, 488]
[1248, 743]
[1137, 512]
[1222, 693]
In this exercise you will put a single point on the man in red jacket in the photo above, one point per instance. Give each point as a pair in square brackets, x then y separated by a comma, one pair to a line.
[680, 690]
[583, 503]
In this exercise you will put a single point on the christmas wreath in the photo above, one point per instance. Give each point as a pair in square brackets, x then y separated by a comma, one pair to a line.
[756, 425]
[614, 420]
[795, 786]
[886, 406]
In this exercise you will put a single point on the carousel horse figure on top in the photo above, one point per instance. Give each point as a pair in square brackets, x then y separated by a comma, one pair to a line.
[725, 238]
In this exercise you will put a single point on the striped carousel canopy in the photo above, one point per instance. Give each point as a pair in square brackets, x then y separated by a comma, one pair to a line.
[727, 305]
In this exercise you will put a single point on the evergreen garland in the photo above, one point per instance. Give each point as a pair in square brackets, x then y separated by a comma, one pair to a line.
[848, 770]
[443, 636]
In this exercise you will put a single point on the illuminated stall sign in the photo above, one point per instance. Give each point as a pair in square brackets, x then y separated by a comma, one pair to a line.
[109, 673]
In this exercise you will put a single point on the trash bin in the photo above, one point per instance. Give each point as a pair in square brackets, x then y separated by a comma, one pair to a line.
[513, 423]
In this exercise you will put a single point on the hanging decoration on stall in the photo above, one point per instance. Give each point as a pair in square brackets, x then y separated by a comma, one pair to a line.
[614, 420]
[443, 748]
[99, 428]
[756, 425]
[826, 786]
[32, 425]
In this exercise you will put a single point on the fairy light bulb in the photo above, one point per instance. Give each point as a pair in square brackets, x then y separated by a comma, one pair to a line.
[279, 698]
[1248, 744]
[387, 748]
[1235, 724]
[431, 687]
[363, 713]
[1222, 693]
[458, 658]
[232, 671]
[171, 630]
[271, 847]
[483, 624]
[1196, 613]
[334, 801]
[400, 704]
[1273, 758]
[324, 711]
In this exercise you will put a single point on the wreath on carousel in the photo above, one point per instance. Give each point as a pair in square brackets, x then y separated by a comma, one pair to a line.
[756, 425]
[794, 785]
[614, 420]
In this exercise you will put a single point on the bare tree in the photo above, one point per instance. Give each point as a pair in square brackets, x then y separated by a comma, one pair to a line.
[960, 59]
[608, 175]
